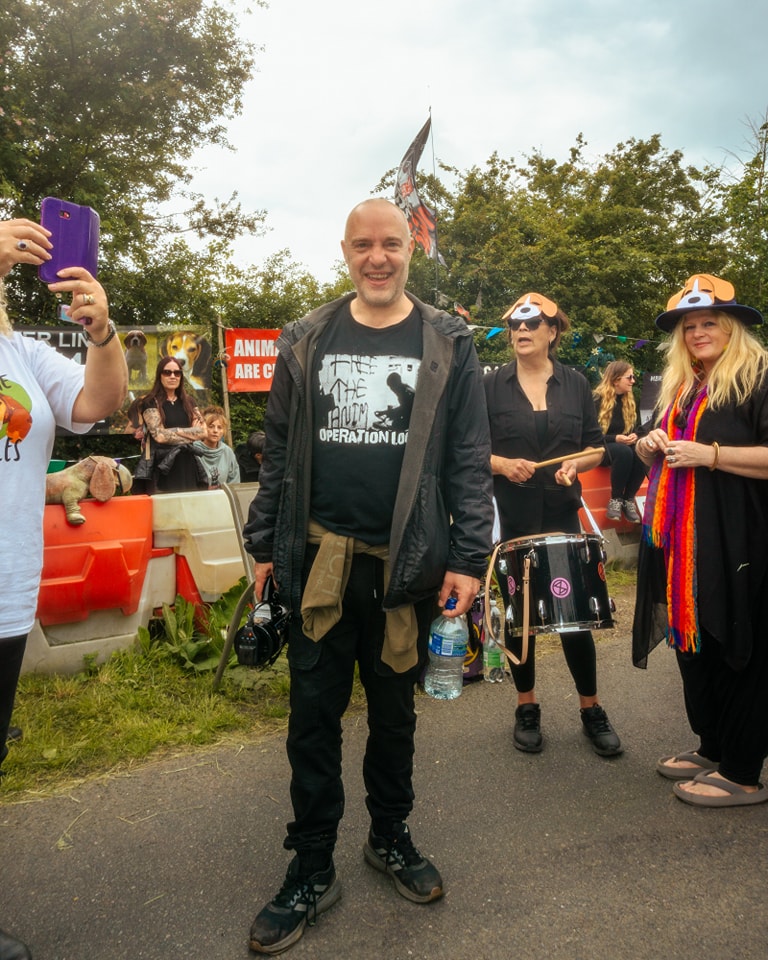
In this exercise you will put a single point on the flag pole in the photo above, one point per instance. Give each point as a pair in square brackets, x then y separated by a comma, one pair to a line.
[434, 175]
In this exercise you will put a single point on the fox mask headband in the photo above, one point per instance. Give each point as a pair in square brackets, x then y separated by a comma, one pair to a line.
[532, 306]
[702, 291]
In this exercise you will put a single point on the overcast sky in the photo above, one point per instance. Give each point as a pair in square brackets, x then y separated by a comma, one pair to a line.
[343, 86]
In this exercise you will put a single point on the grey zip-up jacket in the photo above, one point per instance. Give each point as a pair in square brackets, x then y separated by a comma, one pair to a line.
[443, 514]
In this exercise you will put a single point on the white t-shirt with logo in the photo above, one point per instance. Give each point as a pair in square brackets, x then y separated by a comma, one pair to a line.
[38, 389]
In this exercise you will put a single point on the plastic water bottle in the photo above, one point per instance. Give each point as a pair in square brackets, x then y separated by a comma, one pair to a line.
[448, 637]
[493, 656]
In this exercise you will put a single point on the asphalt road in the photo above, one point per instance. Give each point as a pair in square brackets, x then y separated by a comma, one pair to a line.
[559, 855]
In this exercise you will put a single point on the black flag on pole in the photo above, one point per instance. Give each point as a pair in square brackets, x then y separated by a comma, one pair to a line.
[421, 219]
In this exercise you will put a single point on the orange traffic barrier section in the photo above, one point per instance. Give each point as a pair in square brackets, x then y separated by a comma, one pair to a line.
[596, 491]
[98, 565]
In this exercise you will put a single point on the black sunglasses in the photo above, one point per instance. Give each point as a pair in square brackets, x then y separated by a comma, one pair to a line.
[171, 373]
[533, 324]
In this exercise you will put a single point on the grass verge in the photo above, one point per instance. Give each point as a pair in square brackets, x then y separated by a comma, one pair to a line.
[140, 703]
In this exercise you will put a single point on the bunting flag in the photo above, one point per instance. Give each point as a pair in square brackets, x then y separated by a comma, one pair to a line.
[421, 219]
[462, 311]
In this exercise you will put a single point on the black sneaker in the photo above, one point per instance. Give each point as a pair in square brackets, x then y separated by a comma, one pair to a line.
[281, 923]
[599, 730]
[414, 876]
[527, 734]
[613, 510]
[14, 735]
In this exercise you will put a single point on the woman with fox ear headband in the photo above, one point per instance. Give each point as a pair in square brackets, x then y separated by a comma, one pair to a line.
[702, 579]
[539, 410]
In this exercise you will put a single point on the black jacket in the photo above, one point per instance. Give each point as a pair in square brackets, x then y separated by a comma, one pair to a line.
[443, 512]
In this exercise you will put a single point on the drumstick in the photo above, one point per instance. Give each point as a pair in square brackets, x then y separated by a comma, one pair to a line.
[568, 456]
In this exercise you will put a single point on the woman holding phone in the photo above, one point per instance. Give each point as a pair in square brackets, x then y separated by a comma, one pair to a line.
[42, 389]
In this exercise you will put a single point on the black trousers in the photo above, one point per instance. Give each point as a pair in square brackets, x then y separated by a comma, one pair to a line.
[728, 709]
[320, 693]
[627, 471]
[579, 651]
[11, 655]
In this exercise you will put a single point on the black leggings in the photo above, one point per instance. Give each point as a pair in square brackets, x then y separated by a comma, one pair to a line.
[579, 650]
[11, 655]
[627, 471]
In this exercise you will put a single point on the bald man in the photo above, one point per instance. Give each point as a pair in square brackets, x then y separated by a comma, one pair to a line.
[366, 524]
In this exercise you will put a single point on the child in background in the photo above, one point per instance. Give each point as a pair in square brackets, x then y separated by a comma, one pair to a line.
[218, 459]
[249, 456]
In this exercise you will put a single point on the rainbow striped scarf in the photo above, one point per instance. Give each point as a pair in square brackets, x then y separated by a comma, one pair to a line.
[669, 523]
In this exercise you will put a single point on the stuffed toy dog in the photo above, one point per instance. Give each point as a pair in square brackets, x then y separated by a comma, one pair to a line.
[97, 477]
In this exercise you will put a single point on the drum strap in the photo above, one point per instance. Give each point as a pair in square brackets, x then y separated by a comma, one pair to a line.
[526, 608]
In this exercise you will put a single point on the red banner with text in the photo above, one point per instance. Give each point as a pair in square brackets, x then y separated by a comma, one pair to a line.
[251, 356]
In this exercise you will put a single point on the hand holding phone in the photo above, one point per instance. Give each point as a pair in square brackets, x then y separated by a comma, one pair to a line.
[89, 300]
[22, 241]
[74, 233]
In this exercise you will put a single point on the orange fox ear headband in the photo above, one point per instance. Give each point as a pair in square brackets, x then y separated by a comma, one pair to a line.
[533, 305]
[702, 291]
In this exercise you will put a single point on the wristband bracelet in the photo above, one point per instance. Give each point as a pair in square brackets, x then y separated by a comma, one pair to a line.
[105, 341]
[716, 446]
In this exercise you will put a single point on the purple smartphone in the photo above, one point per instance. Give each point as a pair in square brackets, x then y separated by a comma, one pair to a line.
[74, 235]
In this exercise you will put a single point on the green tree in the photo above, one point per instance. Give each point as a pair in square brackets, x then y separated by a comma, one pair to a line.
[266, 297]
[608, 240]
[103, 102]
[745, 200]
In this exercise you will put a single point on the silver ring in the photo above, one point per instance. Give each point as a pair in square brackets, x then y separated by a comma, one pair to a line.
[671, 459]
[88, 299]
[22, 245]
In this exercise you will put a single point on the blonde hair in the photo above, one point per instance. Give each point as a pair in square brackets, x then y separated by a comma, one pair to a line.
[5, 324]
[739, 370]
[605, 392]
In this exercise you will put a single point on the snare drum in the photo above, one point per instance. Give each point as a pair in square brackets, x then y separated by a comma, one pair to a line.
[567, 586]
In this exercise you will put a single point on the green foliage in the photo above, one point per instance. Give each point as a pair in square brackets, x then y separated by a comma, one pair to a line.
[609, 238]
[104, 104]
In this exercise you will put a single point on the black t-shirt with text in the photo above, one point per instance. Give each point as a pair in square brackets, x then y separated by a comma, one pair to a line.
[364, 382]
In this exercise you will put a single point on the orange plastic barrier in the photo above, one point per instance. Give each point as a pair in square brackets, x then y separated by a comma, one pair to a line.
[100, 564]
[596, 491]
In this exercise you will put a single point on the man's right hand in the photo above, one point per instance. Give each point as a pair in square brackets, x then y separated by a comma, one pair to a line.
[260, 573]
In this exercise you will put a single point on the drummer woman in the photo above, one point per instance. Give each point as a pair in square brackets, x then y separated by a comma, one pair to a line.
[538, 410]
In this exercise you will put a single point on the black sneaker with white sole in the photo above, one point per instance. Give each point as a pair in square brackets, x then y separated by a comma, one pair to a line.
[415, 878]
[300, 900]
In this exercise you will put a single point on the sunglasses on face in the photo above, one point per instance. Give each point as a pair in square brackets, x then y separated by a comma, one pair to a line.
[631, 378]
[171, 373]
[533, 324]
